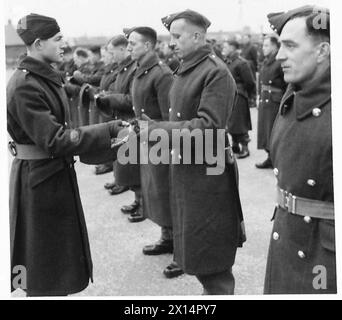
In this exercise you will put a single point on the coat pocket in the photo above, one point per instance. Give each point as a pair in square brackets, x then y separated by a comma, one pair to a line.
[327, 234]
[41, 170]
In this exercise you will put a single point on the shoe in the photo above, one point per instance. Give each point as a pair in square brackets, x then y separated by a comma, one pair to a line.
[117, 190]
[103, 168]
[244, 153]
[172, 270]
[109, 185]
[130, 208]
[267, 164]
[161, 247]
[136, 217]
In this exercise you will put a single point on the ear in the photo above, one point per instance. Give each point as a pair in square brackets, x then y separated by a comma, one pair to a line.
[323, 51]
[37, 44]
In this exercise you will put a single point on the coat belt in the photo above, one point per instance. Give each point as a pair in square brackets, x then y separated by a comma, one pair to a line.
[305, 207]
[270, 88]
[27, 151]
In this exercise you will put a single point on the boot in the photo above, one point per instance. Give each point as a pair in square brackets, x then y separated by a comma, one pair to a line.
[236, 147]
[267, 164]
[244, 153]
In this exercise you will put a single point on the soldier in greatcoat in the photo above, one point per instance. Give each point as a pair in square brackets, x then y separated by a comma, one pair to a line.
[47, 226]
[240, 119]
[150, 94]
[205, 208]
[301, 257]
[272, 87]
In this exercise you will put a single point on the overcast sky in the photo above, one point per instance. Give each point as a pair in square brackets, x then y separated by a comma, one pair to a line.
[108, 17]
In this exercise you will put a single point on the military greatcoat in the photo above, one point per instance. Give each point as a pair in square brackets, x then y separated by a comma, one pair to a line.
[150, 93]
[301, 151]
[48, 229]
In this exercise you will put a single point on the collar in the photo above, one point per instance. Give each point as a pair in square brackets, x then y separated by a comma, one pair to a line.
[270, 59]
[147, 62]
[194, 58]
[125, 63]
[41, 69]
[313, 97]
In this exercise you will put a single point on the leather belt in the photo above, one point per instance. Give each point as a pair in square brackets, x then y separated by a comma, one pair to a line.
[305, 207]
[27, 151]
[270, 88]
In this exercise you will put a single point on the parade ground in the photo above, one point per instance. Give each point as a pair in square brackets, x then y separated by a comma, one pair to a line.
[121, 269]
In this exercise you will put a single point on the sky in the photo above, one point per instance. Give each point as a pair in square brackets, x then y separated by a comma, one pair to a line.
[108, 17]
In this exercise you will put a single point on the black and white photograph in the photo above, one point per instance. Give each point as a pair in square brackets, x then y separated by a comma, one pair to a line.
[169, 149]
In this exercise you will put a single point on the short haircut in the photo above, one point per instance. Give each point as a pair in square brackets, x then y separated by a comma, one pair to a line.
[148, 33]
[119, 40]
[273, 39]
[319, 34]
[80, 52]
[95, 49]
[234, 44]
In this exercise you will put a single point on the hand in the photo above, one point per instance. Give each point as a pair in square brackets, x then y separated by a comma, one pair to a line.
[115, 126]
[91, 92]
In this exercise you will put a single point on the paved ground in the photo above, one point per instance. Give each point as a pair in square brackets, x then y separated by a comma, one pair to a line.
[120, 268]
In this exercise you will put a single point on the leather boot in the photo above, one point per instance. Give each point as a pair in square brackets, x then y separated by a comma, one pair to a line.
[244, 153]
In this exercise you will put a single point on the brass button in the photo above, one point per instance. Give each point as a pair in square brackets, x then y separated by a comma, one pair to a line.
[301, 254]
[179, 157]
[172, 152]
[307, 219]
[146, 72]
[125, 69]
[276, 171]
[267, 100]
[142, 110]
[270, 81]
[311, 182]
[170, 109]
[178, 114]
[316, 112]
[275, 236]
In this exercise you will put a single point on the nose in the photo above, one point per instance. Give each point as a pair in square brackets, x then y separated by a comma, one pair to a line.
[172, 43]
[281, 54]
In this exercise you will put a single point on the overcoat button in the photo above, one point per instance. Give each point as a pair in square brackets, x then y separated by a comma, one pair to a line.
[270, 81]
[301, 254]
[275, 236]
[146, 72]
[142, 110]
[307, 219]
[125, 69]
[316, 112]
[311, 182]
[170, 110]
[267, 100]
[172, 152]
[178, 115]
[275, 171]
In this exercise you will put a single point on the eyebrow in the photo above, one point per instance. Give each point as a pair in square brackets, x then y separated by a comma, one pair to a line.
[287, 41]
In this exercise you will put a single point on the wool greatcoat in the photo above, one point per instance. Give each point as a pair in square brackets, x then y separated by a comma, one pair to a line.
[301, 151]
[47, 226]
[119, 104]
[150, 93]
[206, 209]
[271, 75]
[240, 119]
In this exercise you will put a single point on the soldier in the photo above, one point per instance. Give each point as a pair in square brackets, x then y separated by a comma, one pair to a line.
[150, 92]
[272, 88]
[301, 257]
[48, 229]
[240, 120]
[169, 57]
[117, 103]
[205, 208]
[250, 52]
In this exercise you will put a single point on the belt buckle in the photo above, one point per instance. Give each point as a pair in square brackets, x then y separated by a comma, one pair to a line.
[290, 202]
[12, 148]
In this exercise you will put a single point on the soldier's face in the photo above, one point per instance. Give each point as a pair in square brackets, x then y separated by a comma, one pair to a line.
[268, 47]
[137, 46]
[182, 38]
[227, 49]
[298, 53]
[52, 49]
[117, 53]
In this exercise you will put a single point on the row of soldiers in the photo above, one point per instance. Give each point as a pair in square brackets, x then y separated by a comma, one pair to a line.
[200, 215]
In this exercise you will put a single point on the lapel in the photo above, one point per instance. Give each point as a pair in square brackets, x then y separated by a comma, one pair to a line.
[148, 62]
